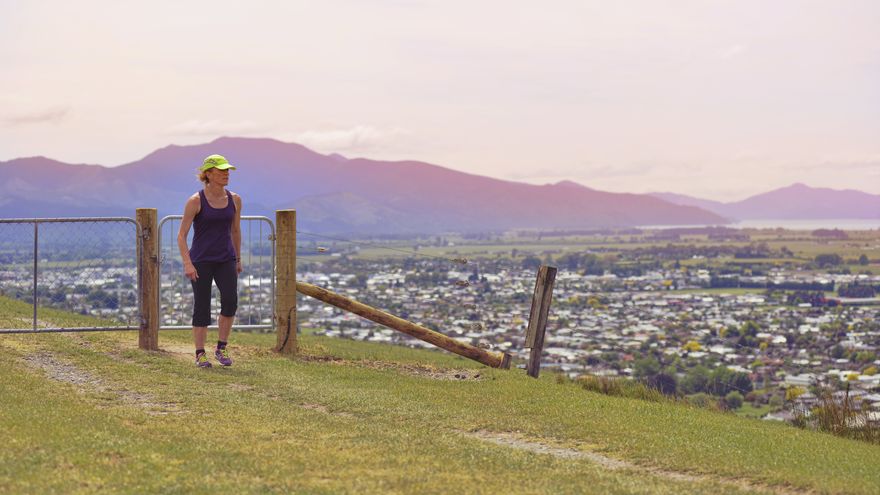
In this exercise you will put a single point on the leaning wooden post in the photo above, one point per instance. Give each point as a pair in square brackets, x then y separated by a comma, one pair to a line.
[538, 318]
[148, 268]
[492, 359]
[285, 281]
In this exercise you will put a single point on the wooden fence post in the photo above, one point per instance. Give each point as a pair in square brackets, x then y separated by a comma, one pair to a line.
[148, 268]
[285, 281]
[538, 318]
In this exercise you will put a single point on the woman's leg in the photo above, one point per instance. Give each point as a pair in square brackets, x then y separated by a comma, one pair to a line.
[226, 277]
[202, 303]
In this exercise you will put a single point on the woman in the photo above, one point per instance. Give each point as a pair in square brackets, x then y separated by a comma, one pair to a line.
[215, 254]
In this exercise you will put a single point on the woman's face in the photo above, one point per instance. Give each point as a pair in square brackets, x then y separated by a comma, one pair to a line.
[219, 177]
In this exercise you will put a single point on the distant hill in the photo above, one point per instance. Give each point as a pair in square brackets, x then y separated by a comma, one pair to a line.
[795, 202]
[331, 193]
[681, 199]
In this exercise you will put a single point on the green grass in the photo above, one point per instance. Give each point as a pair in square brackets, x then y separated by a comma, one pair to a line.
[353, 417]
[15, 314]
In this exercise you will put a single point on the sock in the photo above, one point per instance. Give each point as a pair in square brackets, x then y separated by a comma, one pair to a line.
[221, 345]
[199, 351]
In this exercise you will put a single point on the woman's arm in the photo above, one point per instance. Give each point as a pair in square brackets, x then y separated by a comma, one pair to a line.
[190, 210]
[236, 231]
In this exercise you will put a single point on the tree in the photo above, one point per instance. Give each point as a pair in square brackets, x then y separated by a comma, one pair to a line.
[646, 368]
[863, 260]
[748, 334]
[826, 260]
[696, 380]
[665, 382]
[723, 380]
[531, 262]
[649, 372]
[569, 261]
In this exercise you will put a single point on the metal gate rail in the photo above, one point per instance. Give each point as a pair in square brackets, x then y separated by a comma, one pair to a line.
[249, 219]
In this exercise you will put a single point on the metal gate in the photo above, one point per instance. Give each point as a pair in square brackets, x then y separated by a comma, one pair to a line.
[256, 284]
[69, 274]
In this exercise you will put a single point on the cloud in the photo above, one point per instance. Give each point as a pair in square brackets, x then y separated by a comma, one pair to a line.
[544, 174]
[49, 115]
[357, 138]
[732, 51]
[589, 173]
[215, 128]
[842, 163]
[606, 171]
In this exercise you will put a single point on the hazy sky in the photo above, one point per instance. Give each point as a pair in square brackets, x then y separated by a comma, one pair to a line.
[715, 99]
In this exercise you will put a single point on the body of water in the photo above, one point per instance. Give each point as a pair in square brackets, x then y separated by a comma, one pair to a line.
[843, 224]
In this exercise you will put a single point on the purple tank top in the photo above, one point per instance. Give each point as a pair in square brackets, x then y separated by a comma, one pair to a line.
[212, 240]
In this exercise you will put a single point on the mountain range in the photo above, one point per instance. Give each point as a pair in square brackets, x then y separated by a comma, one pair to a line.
[332, 193]
[795, 202]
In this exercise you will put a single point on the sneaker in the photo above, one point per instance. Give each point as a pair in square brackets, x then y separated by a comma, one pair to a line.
[222, 356]
[202, 361]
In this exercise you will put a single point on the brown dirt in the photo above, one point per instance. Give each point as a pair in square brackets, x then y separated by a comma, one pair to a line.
[85, 382]
[420, 370]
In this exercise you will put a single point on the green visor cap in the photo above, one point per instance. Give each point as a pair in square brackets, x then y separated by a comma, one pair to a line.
[216, 161]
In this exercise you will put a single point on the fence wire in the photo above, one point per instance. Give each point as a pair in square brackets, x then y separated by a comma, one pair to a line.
[69, 274]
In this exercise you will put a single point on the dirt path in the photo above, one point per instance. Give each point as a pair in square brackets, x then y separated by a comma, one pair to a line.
[512, 440]
[85, 382]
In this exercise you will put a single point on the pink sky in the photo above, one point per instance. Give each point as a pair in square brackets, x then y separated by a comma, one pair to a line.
[717, 99]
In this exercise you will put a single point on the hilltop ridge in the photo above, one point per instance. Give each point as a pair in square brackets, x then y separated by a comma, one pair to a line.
[354, 417]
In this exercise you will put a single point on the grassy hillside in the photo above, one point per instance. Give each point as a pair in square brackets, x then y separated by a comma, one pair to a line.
[89, 413]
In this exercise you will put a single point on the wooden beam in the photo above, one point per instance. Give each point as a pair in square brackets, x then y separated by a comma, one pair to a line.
[148, 273]
[538, 318]
[285, 281]
[492, 359]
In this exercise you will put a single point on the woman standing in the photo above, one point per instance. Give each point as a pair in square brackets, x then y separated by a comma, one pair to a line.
[215, 255]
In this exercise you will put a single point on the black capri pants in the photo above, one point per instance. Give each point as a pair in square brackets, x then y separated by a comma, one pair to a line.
[226, 276]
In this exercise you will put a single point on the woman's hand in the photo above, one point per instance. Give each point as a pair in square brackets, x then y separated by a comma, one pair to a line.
[238, 266]
[190, 271]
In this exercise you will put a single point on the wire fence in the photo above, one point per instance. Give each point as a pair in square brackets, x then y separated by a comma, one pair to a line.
[87, 268]
[69, 274]
[256, 283]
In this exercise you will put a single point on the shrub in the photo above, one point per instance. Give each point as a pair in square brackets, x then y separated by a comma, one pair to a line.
[693, 346]
[841, 417]
[703, 400]
[733, 400]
